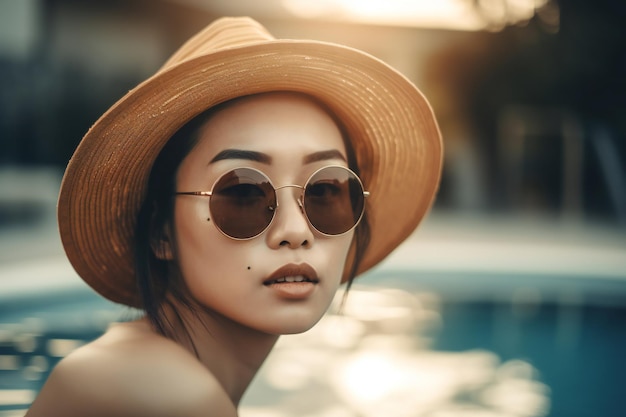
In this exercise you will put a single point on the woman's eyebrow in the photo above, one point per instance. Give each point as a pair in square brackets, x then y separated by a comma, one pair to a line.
[266, 159]
[242, 154]
[323, 156]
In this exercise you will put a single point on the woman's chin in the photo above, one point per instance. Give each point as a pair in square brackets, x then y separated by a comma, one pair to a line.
[293, 325]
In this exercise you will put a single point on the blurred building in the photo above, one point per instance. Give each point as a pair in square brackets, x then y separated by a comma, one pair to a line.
[530, 94]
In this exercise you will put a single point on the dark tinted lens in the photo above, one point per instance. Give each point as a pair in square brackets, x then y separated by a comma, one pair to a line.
[333, 200]
[242, 204]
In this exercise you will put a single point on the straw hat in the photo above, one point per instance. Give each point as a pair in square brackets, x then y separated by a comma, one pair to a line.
[390, 123]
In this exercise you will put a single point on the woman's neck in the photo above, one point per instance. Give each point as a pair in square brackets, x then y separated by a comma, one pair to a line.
[233, 353]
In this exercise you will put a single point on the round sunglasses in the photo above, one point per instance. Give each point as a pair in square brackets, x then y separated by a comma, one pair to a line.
[243, 201]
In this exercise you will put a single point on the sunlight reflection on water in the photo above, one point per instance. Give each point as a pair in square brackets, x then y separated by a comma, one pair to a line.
[373, 359]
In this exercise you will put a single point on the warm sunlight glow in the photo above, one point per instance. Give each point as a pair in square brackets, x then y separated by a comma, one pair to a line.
[443, 14]
[465, 15]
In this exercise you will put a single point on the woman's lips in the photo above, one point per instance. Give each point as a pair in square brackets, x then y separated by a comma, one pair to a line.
[292, 272]
[293, 281]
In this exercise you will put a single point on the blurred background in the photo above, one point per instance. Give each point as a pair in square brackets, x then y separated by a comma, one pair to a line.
[510, 300]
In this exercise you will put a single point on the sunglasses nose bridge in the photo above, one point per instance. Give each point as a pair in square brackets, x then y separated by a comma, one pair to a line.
[298, 198]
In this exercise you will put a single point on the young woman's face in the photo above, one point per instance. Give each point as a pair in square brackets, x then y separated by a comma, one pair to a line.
[287, 137]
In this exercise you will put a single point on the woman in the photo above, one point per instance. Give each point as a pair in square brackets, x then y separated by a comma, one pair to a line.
[228, 196]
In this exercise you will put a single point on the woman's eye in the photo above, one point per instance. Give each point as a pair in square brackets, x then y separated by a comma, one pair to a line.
[324, 190]
[243, 192]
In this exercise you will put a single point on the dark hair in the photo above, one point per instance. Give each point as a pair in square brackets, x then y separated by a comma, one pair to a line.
[156, 277]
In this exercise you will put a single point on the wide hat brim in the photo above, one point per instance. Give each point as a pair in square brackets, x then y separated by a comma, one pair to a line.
[390, 124]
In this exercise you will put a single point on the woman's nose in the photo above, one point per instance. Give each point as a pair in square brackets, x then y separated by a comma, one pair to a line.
[290, 227]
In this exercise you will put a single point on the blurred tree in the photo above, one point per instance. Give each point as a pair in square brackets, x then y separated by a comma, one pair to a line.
[571, 55]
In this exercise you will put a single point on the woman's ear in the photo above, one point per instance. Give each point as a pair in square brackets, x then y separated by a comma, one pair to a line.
[162, 246]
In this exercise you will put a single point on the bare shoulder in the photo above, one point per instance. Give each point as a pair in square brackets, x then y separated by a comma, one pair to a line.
[131, 372]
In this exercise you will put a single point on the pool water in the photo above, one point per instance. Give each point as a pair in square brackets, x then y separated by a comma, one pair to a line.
[519, 354]
[578, 350]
